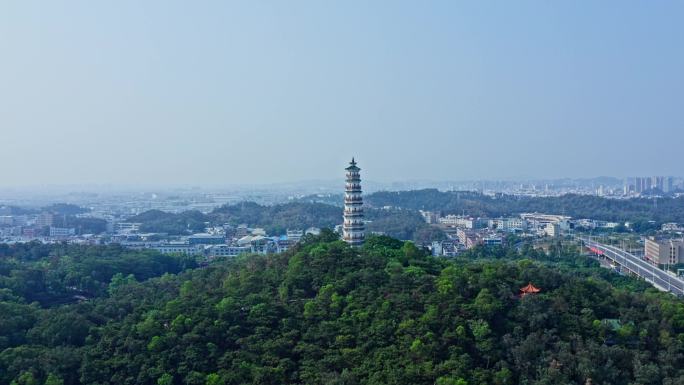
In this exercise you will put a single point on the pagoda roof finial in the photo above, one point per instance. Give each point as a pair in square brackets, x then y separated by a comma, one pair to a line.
[352, 165]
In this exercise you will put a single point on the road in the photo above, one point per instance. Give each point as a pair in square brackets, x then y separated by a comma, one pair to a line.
[654, 275]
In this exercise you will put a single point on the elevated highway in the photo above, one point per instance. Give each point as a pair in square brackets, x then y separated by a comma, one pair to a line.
[657, 277]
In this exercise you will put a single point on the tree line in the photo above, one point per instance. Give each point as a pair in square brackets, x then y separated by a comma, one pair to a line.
[636, 210]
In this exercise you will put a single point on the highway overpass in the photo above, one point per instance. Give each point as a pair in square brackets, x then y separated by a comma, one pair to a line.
[659, 278]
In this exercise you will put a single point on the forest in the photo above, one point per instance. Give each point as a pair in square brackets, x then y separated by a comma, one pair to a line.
[636, 210]
[277, 219]
[325, 313]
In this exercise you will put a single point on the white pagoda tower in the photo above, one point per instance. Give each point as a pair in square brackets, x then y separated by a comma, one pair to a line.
[353, 227]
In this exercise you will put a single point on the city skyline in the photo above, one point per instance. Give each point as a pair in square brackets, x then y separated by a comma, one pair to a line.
[334, 183]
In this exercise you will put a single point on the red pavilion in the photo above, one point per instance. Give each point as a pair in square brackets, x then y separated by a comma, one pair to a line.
[529, 289]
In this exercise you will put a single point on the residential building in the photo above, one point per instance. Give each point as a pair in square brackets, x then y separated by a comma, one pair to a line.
[45, 220]
[283, 244]
[491, 239]
[31, 232]
[241, 231]
[463, 235]
[430, 217]
[671, 227]
[463, 221]
[61, 232]
[294, 235]
[669, 184]
[471, 238]
[552, 229]
[664, 251]
[446, 248]
[226, 250]
[662, 183]
[436, 248]
[206, 239]
[510, 225]
[263, 245]
[178, 248]
[127, 227]
[457, 221]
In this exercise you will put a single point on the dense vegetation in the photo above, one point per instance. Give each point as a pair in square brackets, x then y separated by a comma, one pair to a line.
[65, 209]
[403, 224]
[274, 219]
[578, 206]
[85, 225]
[53, 274]
[277, 219]
[14, 210]
[324, 313]
[156, 221]
[50, 303]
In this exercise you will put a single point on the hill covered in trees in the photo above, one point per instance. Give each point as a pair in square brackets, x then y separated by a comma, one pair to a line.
[578, 206]
[157, 221]
[325, 313]
[277, 219]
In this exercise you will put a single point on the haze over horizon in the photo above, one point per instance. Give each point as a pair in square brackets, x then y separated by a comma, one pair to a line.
[309, 185]
[218, 93]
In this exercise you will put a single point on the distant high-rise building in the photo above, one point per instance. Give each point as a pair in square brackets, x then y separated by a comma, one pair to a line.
[640, 185]
[661, 183]
[658, 182]
[353, 229]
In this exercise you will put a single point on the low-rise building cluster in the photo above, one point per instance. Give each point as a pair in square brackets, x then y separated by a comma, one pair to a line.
[223, 241]
[26, 227]
[465, 232]
[219, 241]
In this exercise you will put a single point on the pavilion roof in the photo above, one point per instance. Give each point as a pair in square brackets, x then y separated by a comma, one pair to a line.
[530, 289]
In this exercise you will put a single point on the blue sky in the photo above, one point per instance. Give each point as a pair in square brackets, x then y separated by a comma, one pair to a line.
[170, 92]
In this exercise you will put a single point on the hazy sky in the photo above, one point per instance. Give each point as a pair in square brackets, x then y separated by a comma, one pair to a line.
[202, 92]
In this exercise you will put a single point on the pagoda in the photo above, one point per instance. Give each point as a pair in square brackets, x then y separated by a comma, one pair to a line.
[353, 227]
[529, 289]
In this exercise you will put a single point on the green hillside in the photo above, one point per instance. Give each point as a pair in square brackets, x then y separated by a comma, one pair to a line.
[328, 314]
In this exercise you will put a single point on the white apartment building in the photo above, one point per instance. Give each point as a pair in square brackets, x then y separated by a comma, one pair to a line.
[664, 251]
[127, 227]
